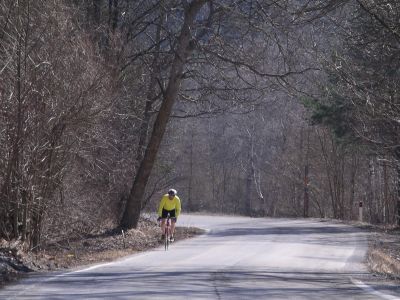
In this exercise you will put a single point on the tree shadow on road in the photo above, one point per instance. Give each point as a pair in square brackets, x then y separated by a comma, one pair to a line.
[200, 284]
[313, 235]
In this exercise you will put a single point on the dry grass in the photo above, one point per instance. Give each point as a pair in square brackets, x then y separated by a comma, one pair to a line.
[384, 253]
[383, 263]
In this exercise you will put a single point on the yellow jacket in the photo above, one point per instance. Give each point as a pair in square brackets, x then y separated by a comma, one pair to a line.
[168, 204]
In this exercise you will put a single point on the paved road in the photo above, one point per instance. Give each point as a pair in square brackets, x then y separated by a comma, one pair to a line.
[239, 258]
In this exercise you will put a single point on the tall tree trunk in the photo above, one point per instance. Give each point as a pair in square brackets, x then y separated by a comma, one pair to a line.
[250, 174]
[306, 195]
[353, 172]
[398, 196]
[248, 194]
[397, 201]
[306, 178]
[342, 183]
[190, 200]
[151, 95]
[224, 183]
[131, 213]
[385, 194]
[328, 169]
[97, 11]
[113, 13]
[17, 147]
[370, 189]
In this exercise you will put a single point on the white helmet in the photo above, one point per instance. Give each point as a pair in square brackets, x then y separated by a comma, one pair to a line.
[172, 192]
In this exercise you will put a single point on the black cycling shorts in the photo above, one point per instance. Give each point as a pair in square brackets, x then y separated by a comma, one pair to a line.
[165, 213]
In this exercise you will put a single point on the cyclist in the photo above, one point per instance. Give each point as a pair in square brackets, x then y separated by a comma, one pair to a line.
[169, 204]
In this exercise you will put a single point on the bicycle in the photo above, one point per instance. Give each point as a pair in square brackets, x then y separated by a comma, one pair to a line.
[167, 232]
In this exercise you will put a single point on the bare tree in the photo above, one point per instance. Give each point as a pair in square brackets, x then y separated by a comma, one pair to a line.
[44, 107]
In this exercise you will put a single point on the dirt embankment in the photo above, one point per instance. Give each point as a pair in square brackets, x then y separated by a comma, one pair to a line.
[384, 252]
[89, 249]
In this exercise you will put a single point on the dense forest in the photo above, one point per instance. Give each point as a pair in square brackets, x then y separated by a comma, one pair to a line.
[255, 107]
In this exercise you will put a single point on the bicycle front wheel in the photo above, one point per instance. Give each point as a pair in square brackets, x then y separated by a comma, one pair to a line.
[166, 240]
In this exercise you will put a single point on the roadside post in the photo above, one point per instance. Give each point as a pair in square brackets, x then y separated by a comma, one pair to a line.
[360, 211]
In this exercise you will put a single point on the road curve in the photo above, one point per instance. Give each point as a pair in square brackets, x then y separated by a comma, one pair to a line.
[238, 258]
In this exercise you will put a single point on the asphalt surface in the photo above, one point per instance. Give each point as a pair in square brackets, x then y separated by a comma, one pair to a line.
[238, 258]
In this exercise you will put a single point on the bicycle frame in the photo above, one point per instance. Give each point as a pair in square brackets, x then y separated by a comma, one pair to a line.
[167, 232]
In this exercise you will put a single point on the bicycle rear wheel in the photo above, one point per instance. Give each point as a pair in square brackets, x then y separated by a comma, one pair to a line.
[166, 240]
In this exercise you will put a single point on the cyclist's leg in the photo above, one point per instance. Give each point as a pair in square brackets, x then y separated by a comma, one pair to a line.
[173, 221]
[172, 230]
[164, 215]
[163, 225]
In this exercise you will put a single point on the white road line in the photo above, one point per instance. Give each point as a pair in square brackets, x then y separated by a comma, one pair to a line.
[371, 290]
